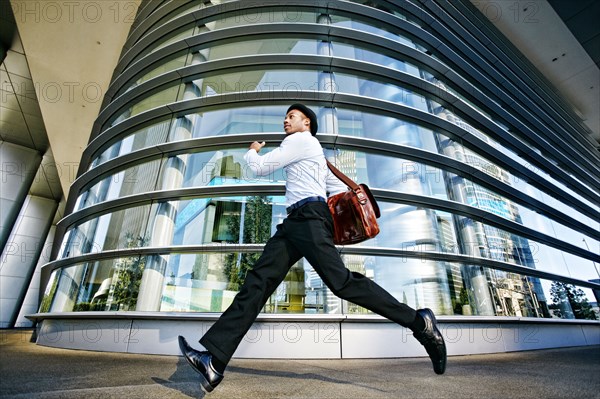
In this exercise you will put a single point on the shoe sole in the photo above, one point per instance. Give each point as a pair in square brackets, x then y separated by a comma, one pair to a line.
[203, 381]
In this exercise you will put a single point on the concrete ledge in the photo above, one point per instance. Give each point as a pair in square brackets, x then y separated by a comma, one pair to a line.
[308, 336]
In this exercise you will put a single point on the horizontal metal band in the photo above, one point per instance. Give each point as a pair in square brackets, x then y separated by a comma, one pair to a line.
[416, 200]
[433, 42]
[350, 250]
[518, 72]
[371, 105]
[296, 317]
[420, 86]
[372, 146]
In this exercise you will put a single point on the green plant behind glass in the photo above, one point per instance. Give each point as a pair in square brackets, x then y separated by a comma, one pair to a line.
[257, 230]
[128, 276]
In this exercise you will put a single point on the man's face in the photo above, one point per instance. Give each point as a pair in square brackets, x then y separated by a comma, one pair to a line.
[295, 121]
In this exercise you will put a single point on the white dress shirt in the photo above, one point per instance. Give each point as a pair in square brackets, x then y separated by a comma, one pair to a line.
[302, 157]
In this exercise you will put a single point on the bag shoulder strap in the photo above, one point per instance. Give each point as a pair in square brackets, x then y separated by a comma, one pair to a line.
[348, 181]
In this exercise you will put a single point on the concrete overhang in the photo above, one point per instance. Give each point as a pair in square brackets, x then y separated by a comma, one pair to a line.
[72, 48]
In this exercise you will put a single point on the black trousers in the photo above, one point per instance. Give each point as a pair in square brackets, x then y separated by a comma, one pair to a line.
[306, 232]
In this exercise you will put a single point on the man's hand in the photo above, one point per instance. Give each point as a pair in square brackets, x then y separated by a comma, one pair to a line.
[257, 146]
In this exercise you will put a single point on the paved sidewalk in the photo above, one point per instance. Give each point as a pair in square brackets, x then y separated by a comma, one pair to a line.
[31, 371]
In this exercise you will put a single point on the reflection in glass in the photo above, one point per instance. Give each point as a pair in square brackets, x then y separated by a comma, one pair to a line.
[107, 232]
[163, 97]
[209, 243]
[50, 292]
[278, 45]
[266, 81]
[144, 137]
[570, 302]
[269, 119]
[356, 24]
[107, 285]
[208, 281]
[163, 67]
[137, 179]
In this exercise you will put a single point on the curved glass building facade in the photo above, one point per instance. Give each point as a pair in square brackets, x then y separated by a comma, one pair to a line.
[488, 192]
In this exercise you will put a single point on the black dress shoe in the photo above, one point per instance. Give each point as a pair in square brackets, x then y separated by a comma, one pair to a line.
[431, 338]
[201, 362]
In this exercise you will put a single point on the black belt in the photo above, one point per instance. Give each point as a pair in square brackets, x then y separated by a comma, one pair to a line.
[304, 201]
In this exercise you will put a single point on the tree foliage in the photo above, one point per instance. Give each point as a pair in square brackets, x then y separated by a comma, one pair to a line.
[257, 230]
[128, 276]
[570, 301]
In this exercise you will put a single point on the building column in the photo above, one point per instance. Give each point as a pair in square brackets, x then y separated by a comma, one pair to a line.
[32, 299]
[18, 168]
[21, 255]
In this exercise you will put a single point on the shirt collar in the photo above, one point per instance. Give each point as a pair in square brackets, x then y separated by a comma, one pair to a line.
[291, 134]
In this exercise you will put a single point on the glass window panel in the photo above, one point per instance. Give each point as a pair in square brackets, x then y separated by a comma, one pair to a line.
[248, 120]
[118, 230]
[214, 168]
[163, 67]
[488, 292]
[171, 38]
[289, 14]
[145, 137]
[379, 90]
[457, 151]
[208, 281]
[559, 262]
[105, 285]
[163, 97]
[346, 50]
[386, 128]
[49, 292]
[137, 179]
[346, 22]
[65, 295]
[258, 47]
[567, 301]
[186, 9]
[264, 81]
[243, 220]
[390, 173]
[201, 169]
